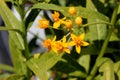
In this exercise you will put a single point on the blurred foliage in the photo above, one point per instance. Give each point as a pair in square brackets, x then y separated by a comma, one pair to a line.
[97, 16]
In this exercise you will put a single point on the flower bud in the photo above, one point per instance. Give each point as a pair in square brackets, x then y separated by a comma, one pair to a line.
[72, 11]
[78, 21]
[68, 24]
[43, 24]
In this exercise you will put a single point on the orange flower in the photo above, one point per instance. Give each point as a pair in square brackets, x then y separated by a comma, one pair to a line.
[55, 16]
[44, 24]
[61, 46]
[78, 21]
[78, 42]
[72, 11]
[57, 20]
[68, 24]
[48, 43]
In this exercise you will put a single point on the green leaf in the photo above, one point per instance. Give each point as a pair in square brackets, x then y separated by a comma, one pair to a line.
[117, 69]
[40, 70]
[6, 67]
[108, 70]
[64, 67]
[11, 22]
[4, 75]
[92, 49]
[2, 28]
[78, 74]
[98, 31]
[74, 63]
[43, 64]
[114, 37]
[84, 60]
[17, 58]
[83, 12]
[119, 10]
[101, 61]
[15, 77]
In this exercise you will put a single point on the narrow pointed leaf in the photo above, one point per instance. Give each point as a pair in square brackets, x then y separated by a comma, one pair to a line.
[17, 58]
[15, 77]
[83, 12]
[11, 22]
[6, 67]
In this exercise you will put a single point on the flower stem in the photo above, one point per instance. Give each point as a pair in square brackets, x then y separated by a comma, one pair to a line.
[107, 23]
[95, 68]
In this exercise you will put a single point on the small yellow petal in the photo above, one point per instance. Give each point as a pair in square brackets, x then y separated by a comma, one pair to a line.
[56, 24]
[63, 18]
[78, 49]
[71, 43]
[67, 51]
[64, 39]
[73, 36]
[54, 49]
[54, 38]
[82, 36]
[85, 43]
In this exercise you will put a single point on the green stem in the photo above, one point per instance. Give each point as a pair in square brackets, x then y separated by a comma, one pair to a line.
[52, 31]
[107, 23]
[26, 51]
[95, 68]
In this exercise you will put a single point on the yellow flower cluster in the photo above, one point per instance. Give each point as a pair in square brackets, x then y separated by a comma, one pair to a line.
[67, 22]
[58, 21]
[63, 44]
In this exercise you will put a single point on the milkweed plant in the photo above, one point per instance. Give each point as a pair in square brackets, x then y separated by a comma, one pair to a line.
[82, 40]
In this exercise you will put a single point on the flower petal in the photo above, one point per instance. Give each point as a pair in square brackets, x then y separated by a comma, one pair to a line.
[85, 43]
[64, 39]
[82, 36]
[54, 49]
[56, 24]
[71, 43]
[73, 36]
[78, 49]
[67, 50]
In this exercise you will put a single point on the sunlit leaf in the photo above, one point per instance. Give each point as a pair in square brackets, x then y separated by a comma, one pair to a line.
[39, 68]
[119, 10]
[4, 75]
[97, 31]
[85, 62]
[6, 67]
[17, 58]
[11, 22]
[114, 37]
[15, 77]
[43, 64]
[108, 70]
[83, 12]
[117, 69]
[78, 74]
